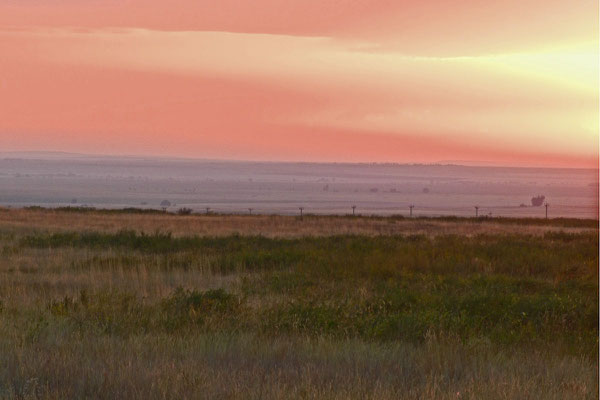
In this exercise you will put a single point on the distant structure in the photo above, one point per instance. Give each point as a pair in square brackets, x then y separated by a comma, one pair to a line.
[207, 210]
[411, 208]
[353, 209]
[476, 211]
[164, 204]
[250, 211]
[546, 205]
[301, 209]
[538, 200]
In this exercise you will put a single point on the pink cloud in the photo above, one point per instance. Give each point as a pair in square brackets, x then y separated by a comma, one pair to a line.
[358, 81]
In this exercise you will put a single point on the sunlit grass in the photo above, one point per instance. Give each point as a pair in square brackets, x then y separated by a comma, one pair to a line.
[149, 314]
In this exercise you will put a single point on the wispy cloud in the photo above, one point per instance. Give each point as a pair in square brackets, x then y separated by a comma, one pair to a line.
[113, 75]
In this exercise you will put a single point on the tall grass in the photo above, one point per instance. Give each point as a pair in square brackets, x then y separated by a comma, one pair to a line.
[552, 256]
[153, 315]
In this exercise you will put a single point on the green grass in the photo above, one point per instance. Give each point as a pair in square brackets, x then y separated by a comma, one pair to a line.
[487, 316]
[553, 255]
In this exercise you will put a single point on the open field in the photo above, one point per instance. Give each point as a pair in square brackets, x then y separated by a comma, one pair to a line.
[150, 221]
[151, 305]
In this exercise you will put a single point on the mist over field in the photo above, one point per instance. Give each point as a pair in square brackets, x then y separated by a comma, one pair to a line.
[61, 179]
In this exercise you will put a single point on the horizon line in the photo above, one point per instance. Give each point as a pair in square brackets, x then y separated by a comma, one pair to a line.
[456, 163]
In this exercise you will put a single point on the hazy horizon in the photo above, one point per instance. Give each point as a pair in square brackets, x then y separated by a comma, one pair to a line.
[365, 93]
[268, 187]
[54, 154]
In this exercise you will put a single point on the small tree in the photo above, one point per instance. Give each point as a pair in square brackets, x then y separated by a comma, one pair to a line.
[165, 204]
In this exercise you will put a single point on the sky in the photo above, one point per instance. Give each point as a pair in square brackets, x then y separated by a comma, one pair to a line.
[512, 82]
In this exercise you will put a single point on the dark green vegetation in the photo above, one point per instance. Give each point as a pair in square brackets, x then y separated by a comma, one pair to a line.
[82, 209]
[508, 289]
[487, 316]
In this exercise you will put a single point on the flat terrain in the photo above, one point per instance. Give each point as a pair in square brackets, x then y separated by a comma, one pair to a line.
[115, 304]
[60, 179]
[150, 221]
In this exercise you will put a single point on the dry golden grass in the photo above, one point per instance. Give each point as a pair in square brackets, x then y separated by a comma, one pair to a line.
[31, 276]
[217, 367]
[102, 348]
[265, 225]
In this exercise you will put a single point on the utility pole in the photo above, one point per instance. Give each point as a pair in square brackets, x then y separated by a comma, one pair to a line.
[411, 208]
[353, 208]
[546, 205]
[476, 211]
[301, 209]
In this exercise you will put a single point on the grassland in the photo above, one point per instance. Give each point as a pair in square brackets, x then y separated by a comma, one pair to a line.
[151, 305]
[277, 226]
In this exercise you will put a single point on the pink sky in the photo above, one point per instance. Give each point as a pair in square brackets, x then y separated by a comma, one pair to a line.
[507, 82]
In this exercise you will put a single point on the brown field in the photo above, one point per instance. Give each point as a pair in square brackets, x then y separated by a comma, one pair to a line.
[271, 225]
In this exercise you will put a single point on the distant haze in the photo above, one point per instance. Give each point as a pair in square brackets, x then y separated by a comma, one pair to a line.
[59, 179]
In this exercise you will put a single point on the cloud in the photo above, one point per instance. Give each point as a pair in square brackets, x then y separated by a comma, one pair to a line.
[434, 27]
[194, 85]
